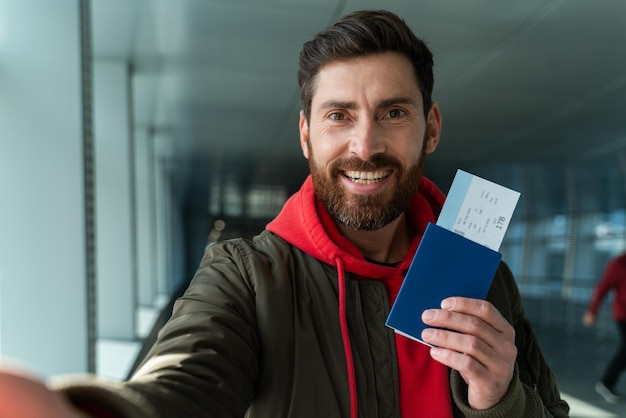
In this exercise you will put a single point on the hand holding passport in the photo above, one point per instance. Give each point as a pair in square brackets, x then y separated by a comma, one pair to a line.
[459, 255]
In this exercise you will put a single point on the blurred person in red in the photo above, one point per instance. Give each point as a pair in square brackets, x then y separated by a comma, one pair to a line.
[613, 280]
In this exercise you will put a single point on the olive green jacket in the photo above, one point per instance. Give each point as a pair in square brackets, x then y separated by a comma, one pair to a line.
[257, 331]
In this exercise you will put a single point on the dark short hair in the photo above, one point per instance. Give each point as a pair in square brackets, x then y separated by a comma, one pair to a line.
[363, 33]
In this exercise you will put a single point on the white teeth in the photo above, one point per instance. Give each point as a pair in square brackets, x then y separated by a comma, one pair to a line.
[366, 177]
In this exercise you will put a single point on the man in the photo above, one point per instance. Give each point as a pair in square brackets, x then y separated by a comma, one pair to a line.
[613, 280]
[291, 324]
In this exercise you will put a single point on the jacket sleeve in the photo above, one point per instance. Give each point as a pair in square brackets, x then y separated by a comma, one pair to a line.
[205, 359]
[533, 391]
[99, 398]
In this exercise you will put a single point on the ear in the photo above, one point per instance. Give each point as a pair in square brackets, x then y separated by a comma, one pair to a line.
[304, 135]
[433, 128]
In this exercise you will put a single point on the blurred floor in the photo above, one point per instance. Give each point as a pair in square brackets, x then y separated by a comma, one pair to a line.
[115, 358]
[578, 362]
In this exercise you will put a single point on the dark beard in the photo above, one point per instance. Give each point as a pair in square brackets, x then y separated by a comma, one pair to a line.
[366, 212]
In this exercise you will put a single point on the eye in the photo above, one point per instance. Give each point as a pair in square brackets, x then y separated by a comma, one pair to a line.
[395, 113]
[337, 116]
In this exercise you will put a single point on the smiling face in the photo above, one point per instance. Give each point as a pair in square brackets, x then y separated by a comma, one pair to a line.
[366, 138]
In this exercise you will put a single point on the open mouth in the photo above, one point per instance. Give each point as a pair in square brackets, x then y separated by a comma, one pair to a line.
[367, 177]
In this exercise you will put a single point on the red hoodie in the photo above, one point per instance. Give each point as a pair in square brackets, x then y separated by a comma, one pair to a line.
[305, 223]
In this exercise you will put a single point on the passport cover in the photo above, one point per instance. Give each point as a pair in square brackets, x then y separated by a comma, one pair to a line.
[445, 264]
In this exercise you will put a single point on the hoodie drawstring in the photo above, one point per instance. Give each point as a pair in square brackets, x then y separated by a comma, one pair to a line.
[343, 322]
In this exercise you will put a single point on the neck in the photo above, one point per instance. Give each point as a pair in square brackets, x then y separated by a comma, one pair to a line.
[385, 245]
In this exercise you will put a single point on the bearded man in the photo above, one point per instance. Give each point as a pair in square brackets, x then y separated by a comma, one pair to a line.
[292, 323]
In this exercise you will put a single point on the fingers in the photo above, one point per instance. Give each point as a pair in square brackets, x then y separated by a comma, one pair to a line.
[472, 337]
[472, 317]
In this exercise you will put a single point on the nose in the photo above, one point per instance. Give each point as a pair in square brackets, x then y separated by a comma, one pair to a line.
[366, 139]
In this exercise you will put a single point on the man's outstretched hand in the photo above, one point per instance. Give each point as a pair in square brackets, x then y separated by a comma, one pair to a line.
[24, 396]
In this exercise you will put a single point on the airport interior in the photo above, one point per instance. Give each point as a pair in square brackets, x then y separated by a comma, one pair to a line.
[136, 133]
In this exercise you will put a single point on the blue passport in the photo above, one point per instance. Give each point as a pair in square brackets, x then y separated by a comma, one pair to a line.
[445, 264]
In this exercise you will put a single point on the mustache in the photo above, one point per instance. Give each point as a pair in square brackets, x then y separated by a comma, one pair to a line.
[356, 164]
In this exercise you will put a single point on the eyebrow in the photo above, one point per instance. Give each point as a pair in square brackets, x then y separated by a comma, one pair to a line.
[338, 104]
[332, 104]
[397, 100]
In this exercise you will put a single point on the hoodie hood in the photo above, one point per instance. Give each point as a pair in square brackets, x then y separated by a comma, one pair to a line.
[306, 224]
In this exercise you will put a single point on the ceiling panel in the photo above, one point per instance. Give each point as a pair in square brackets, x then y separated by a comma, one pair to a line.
[215, 81]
